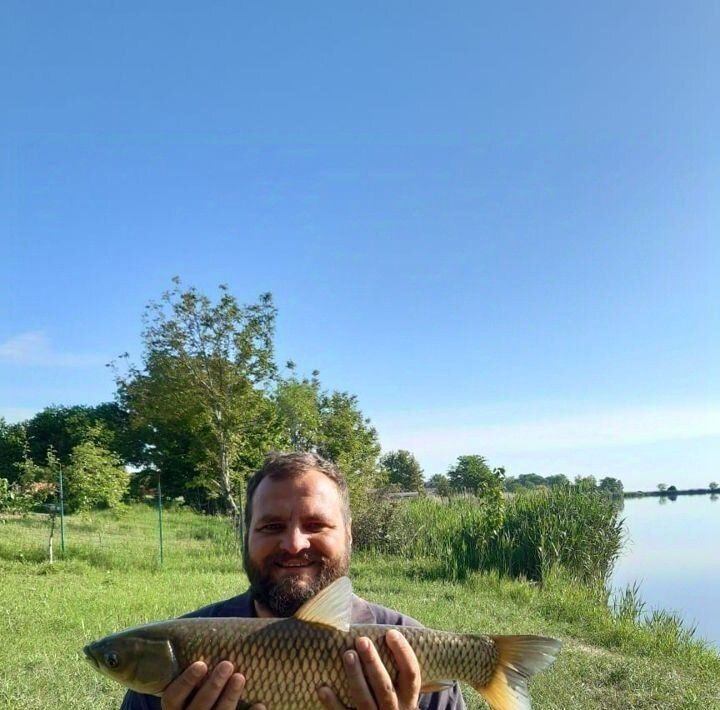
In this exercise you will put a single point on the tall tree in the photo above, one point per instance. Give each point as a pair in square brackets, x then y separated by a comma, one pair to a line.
[349, 439]
[586, 483]
[473, 475]
[611, 486]
[441, 484]
[298, 404]
[404, 470]
[62, 428]
[557, 480]
[13, 445]
[206, 370]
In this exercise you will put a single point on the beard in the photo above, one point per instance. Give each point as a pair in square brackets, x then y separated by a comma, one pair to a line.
[285, 596]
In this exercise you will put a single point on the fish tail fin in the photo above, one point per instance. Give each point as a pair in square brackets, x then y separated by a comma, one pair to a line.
[519, 658]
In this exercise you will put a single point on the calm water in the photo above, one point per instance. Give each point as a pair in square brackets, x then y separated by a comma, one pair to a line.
[673, 551]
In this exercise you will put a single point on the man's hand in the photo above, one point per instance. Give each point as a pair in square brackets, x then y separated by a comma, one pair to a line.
[370, 684]
[221, 690]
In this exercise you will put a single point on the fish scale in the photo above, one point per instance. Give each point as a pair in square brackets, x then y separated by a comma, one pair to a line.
[286, 661]
[310, 656]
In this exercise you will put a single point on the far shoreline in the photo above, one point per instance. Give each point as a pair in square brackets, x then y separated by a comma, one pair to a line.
[671, 493]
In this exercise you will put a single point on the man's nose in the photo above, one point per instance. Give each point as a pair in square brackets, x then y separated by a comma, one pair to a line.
[295, 541]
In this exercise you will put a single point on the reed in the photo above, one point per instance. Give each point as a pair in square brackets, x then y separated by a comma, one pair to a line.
[524, 537]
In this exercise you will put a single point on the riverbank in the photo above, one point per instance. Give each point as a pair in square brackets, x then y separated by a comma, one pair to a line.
[110, 579]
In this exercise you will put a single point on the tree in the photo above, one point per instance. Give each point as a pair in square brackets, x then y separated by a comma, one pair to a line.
[611, 486]
[298, 404]
[62, 428]
[441, 484]
[13, 445]
[557, 480]
[403, 470]
[472, 474]
[348, 439]
[713, 486]
[585, 483]
[530, 480]
[206, 371]
[662, 487]
[94, 478]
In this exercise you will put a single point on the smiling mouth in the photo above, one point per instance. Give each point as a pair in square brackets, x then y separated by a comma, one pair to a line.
[302, 566]
[294, 565]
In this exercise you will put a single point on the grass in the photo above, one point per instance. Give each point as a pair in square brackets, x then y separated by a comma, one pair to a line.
[110, 578]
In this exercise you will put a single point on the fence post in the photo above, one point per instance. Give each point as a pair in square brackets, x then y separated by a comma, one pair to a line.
[62, 514]
[160, 520]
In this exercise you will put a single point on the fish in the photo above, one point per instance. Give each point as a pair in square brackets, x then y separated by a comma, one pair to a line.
[285, 661]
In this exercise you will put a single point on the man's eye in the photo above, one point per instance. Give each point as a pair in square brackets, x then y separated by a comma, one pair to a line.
[271, 527]
[316, 527]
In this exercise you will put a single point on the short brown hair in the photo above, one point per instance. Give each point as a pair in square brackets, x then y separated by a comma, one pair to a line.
[279, 465]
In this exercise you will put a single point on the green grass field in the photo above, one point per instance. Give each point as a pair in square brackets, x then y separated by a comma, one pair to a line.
[110, 578]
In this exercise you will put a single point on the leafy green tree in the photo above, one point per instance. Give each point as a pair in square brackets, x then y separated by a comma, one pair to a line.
[611, 486]
[207, 367]
[350, 441]
[713, 486]
[13, 445]
[15, 498]
[585, 483]
[441, 484]
[94, 478]
[473, 475]
[403, 470]
[557, 480]
[530, 480]
[298, 404]
[63, 428]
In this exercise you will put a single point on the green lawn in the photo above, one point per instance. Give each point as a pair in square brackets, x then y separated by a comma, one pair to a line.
[110, 579]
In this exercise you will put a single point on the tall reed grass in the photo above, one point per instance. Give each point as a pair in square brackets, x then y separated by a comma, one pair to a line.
[532, 533]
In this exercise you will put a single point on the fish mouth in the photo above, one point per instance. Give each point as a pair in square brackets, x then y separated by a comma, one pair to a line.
[90, 658]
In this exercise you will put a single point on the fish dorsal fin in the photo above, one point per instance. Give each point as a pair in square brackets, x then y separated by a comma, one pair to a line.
[330, 607]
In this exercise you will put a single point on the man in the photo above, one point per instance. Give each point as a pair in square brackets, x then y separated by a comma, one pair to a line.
[297, 541]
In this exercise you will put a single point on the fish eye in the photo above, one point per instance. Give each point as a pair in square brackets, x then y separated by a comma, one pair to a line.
[112, 660]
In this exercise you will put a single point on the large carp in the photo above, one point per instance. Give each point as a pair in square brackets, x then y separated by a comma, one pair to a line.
[285, 661]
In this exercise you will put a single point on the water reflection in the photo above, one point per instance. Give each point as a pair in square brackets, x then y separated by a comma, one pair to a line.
[670, 552]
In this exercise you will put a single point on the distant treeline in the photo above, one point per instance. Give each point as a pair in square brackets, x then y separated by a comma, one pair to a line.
[608, 485]
[672, 492]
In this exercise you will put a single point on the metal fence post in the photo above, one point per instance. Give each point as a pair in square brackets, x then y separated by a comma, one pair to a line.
[62, 513]
[160, 520]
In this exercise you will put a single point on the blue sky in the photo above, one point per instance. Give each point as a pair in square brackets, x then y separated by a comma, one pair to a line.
[497, 225]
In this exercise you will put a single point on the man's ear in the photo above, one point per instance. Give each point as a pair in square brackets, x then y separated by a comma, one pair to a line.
[348, 528]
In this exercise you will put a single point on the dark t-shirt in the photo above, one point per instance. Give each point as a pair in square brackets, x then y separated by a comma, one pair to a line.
[362, 613]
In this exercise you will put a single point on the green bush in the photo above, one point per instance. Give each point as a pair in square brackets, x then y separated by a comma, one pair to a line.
[94, 478]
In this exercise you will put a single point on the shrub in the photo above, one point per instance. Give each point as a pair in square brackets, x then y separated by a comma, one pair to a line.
[94, 478]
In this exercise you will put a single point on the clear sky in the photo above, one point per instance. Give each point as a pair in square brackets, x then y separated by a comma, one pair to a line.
[497, 224]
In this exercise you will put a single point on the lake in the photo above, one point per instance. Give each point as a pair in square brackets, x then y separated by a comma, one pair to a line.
[672, 550]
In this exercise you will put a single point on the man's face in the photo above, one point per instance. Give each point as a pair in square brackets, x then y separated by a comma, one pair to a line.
[298, 540]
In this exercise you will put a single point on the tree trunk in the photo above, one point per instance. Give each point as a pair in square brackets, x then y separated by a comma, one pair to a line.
[50, 539]
[226, 483]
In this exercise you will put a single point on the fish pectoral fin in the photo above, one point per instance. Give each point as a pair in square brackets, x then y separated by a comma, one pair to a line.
[437, 686]
[331, 607]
